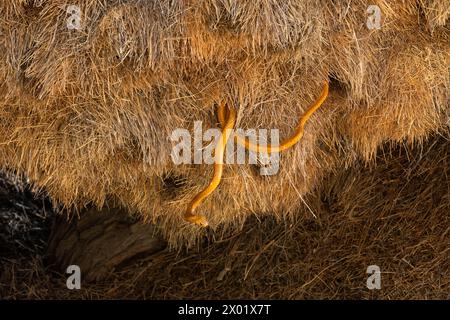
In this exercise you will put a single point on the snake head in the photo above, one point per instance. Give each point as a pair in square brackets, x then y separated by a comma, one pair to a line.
[198, 220]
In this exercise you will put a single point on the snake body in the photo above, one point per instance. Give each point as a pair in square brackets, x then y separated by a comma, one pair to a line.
[218, 168]
[289, 142]
[227, 119]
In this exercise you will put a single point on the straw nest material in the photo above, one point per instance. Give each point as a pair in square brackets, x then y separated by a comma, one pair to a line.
[393, 215]
[87, 114]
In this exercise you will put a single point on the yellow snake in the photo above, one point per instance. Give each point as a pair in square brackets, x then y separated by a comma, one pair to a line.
[227, 118]
[289, 142]
[227, 128]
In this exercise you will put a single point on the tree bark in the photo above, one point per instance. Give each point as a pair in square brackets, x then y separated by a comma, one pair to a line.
[100, 242]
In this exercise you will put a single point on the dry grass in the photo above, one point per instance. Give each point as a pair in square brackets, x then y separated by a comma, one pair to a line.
[394, 215]
[86, 115]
